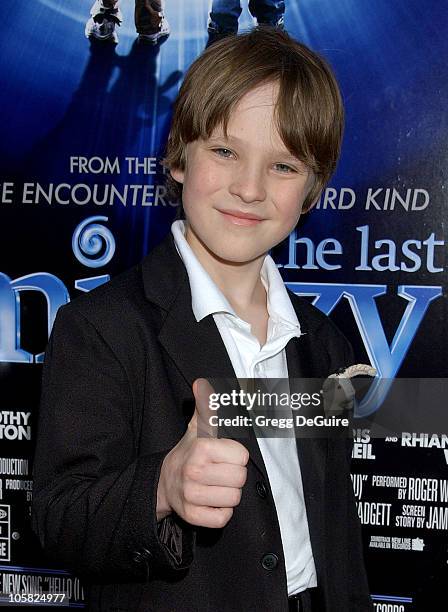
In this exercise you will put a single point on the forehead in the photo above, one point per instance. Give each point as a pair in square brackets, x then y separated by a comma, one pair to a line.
[262, 96]
[253, 117]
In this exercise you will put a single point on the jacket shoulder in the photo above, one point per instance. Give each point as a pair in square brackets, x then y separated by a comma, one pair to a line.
[321, 329]
[114, 311]
[111, 298]
[310, 315]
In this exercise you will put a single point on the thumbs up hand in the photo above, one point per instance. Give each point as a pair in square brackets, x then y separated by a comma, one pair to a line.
[201, 478]
[200, 424]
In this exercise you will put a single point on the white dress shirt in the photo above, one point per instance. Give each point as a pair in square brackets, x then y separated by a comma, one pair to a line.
[249, 360]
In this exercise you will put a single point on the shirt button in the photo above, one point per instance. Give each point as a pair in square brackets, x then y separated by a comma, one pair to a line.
[261, 489]
[269, 561]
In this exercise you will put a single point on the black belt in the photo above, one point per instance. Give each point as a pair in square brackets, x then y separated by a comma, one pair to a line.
[305, 601]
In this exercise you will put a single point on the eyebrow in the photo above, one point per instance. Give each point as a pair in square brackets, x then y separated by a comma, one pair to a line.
[284, 154]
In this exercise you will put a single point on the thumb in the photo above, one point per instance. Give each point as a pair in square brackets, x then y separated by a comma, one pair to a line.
[202, 390]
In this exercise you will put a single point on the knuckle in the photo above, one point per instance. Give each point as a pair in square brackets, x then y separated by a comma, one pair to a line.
[224, 517]
[236, 497]
[243, 477]
[245, 456]
[191, 514]
[243, 453]
[192, 471]
[190, 493]
[202, 446]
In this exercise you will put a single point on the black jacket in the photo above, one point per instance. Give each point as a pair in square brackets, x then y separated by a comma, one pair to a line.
[116, 397]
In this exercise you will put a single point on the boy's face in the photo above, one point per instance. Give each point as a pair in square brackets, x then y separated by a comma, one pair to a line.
[252, 175]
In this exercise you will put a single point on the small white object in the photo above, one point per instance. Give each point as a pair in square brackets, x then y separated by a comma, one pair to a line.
[338, 390]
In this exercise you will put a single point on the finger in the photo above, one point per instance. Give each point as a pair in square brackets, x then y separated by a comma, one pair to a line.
[204, 516]
[202, 390]
[228, 451]
[222, 475]
[214, 497]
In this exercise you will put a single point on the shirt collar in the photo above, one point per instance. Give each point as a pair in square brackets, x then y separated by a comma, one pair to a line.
[207, 298]
[278, 301]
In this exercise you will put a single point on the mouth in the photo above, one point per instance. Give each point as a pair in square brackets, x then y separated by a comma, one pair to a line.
[237, 217]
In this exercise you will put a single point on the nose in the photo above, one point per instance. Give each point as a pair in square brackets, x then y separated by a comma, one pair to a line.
[248, 184]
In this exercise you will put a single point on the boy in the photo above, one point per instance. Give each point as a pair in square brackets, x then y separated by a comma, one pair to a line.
[127, 495]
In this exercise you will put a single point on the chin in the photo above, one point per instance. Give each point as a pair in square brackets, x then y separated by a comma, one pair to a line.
[237, 256]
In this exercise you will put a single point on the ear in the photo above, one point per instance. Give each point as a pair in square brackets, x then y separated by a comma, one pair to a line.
[177, 174]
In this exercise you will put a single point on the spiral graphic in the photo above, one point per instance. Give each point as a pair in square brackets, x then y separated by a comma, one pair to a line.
[89, 239]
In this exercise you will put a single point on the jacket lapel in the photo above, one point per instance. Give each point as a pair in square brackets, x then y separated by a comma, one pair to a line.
[195, 347]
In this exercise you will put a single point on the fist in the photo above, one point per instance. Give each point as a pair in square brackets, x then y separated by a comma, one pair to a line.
[202, 477]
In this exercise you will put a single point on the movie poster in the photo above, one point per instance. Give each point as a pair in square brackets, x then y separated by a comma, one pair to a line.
[83, 197]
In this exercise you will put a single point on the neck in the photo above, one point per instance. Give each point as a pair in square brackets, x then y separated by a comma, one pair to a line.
[239, 282]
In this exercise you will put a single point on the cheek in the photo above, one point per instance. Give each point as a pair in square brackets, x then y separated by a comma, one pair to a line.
[208, 181]
[203, 180]
[291, 206]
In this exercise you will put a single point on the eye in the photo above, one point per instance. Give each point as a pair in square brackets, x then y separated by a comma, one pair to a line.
[284, 168]
[222, 152]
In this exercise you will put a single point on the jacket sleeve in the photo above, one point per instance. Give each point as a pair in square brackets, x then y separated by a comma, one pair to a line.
[94, 506]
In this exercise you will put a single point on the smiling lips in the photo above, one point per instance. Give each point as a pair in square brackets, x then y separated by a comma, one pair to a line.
[240, 218]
